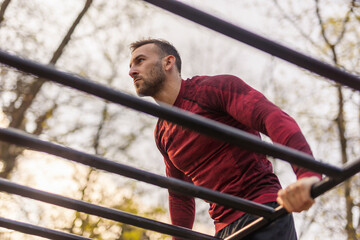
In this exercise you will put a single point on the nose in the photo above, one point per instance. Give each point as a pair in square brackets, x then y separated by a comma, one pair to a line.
[133, 72]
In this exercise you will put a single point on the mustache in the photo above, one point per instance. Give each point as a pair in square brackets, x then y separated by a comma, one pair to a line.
[137, 78]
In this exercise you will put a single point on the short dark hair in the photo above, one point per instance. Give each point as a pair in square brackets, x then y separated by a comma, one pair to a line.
[164, 46]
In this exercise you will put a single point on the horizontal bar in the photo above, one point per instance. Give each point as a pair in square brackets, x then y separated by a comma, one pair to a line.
[38, 231]
[248, 229]
[108, 213]
[285, 53]
[259, 42]
[317, 189]
[191, 121]
[328, 183]
[351, 169]
[26, 140]
[256, 225]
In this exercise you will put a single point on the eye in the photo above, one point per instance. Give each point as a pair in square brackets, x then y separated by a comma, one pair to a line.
[140, 60]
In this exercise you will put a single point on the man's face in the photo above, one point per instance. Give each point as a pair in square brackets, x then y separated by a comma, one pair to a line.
[146, 70]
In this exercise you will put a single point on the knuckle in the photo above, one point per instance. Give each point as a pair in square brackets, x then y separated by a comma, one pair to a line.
[281, 193]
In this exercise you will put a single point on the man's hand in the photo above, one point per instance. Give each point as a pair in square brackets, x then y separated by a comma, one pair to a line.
[296, 197]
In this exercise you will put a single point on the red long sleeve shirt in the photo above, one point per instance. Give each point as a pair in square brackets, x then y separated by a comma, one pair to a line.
[217, 165]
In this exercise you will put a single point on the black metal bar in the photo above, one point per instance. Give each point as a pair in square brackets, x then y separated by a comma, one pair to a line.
[108, 213]
[194, 122]
[38, 231]
[248, 229]
[317, 189]
[258, 42]
[20, 138]
[257, 224]
[327, 183]
[351, 169]
[284, 53]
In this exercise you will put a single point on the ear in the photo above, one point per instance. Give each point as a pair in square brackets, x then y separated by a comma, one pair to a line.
[169, 62]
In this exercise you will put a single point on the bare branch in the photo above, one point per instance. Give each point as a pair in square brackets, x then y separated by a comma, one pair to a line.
[41, 120]
[341, 35]
[100, 128]
[295, 25]
[3, 8]
[345, 21]
[321, 23]
[36, 85]
[68, 35]
[18, 115]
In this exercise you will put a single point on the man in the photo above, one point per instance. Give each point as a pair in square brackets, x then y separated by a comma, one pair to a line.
[155, 67]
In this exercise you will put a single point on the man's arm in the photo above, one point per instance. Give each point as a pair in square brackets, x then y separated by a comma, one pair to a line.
[284, 130]
[182, 208]
[251, 108]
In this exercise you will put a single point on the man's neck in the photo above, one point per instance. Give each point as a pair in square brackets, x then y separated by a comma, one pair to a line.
[169, 91]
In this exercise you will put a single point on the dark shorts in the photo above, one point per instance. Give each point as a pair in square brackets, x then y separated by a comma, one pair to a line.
[280, 229]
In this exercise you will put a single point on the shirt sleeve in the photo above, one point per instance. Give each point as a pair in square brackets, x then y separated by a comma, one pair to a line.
[181, 207]
[251, 108]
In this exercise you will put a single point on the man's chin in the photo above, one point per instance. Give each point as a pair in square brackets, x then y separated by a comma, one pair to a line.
[145, 92]
[141, 94]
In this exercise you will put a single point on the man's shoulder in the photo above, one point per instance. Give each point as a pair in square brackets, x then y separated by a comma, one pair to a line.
[205, 79]
[220, 82]
[158, 126]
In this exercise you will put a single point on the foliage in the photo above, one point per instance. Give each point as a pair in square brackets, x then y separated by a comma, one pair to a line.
[70, 35]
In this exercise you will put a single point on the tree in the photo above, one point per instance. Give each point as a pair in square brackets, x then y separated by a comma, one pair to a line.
[24, 97]
[43, 108]
[331, 38]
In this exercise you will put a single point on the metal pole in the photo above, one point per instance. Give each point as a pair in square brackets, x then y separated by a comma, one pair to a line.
[108, 213]
[327, 183]
[38, 231]
[194, 122]
[317, 189]
[256, 41]
[182, 187]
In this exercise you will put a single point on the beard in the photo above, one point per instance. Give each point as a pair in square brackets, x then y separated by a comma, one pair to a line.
[151, 85]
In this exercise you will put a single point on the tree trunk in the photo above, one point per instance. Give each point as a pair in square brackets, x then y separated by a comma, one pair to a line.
[340, 120]
[17, 117]
[3, 8]
[341, 124]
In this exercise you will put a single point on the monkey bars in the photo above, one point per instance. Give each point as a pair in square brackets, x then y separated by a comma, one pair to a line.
[335, 175]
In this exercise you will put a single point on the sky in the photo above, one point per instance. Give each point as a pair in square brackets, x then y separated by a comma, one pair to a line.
[203, 52]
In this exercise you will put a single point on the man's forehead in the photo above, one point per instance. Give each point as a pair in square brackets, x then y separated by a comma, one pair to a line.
[149, 48]
[145, 50]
